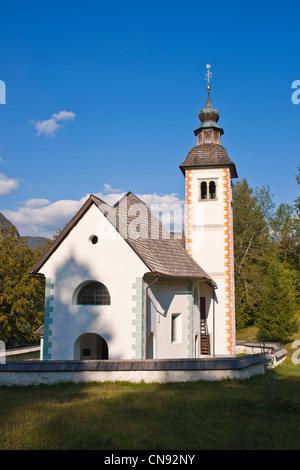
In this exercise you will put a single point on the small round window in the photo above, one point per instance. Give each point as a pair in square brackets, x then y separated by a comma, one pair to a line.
[93, 239]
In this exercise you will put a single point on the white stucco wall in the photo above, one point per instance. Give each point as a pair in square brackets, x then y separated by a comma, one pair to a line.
[164, 300]
[51, 378]
[167, 298]
[207, 232]
[122, 324]
[112, 262]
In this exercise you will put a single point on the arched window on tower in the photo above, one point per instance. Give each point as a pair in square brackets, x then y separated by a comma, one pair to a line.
[212, 190]
[93, 293]
[203, 190]
[208, 190]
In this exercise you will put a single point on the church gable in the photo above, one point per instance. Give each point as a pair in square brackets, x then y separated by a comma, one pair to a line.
[99, 272]
[91, 240]
[132, 220]
[91, 289]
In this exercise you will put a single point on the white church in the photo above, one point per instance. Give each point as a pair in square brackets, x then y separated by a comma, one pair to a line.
[120, 286]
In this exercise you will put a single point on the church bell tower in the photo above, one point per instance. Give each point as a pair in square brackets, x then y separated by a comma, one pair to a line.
[208, 174]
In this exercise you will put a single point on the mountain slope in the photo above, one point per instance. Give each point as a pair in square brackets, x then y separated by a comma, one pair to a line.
[33, 242]
[5, 224]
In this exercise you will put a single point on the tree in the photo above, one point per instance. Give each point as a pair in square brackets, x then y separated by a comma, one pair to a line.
[277, 310]
[283, 232]
[267, 275]
[297, 223]
[251, 210]
[21, 295]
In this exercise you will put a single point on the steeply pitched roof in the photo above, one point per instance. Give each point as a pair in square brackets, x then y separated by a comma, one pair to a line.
[208, 155]
[145, 234]
[158, 249]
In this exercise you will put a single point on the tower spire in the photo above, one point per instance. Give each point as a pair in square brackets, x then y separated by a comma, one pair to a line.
[209, 131]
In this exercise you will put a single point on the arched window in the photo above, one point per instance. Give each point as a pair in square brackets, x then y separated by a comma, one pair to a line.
[204, 190]
[212, 190]
[208, 190]
[93, 293]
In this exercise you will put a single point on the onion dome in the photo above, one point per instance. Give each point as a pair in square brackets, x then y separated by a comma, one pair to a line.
[208, 116]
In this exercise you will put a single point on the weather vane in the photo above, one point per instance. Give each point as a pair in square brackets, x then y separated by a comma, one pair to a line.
[208, 76]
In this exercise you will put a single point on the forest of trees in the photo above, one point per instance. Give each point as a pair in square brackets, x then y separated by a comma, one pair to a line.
[267, 262]
[267, 271]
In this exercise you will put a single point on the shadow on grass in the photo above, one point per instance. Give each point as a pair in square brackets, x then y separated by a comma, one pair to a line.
[182, 416]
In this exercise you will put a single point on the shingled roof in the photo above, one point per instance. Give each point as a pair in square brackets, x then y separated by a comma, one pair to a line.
[208, 156]
[160, 252]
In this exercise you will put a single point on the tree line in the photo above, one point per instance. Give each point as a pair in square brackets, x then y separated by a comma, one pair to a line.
[267, 271]
[267, 262]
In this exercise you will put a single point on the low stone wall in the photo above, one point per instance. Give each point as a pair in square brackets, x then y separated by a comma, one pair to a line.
[248, 348]
[23, 354]
[152, 370]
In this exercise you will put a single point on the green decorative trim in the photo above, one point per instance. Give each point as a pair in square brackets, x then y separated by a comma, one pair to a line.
[138, 319]
[47, 319]
[190, 321]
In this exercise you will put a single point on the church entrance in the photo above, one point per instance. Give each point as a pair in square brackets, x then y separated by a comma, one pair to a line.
[90, 346]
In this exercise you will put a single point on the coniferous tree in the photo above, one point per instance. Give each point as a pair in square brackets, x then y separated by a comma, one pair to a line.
[251, 209]
[267, 274]
[276, 318]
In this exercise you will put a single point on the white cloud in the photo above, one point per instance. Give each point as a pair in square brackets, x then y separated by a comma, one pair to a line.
[40, 217]
[35, 203]
[64, 116]
[7, 185]
[110, 197]
[109, 189]
[169, 208]
[49, 127]
[43, 219]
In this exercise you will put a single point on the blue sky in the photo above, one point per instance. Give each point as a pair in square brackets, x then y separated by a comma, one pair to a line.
[129, 77]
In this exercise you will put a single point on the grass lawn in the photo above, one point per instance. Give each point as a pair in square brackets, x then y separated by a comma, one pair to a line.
[182, 416]
[230, 414]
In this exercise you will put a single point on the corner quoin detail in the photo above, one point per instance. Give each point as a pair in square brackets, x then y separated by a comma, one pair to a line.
[138, 319]
[188, 199]
[228, 261]
[48, 320]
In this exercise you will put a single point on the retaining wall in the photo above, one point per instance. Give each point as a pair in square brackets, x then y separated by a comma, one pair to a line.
[151, 370]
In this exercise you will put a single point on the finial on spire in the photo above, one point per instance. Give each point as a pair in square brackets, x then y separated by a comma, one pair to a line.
[209, 131]
[208, 76]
